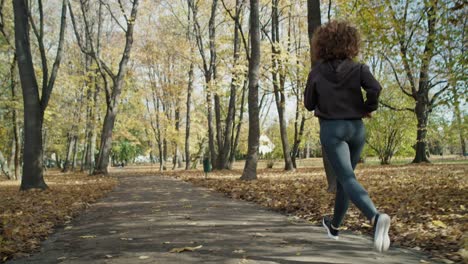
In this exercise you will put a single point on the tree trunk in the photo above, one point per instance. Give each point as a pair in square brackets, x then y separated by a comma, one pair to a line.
[33, 113]
[165, 151]
[211, 84]
[33, 152]
[4, 167]
[73, 138]
[297, 140]
[187, 124]
[176, 160]
[219, 133]
[58, 161]
[16, 148]
[92, 136]
[278, 84]
[421, 93]
[298, 125]
[313, 21]
[238, 129]
[189, 90]
[459, 122]
[75, 150]
[91, 105]
[189, 98]
[112, 95]
[422, 117]
[211, 139]
[11, 160]
[106, 142]
[162, 165]
[209, 68]
[66, 165]
[280, 103]
[250, 168]
[224, 161]
[34, 105]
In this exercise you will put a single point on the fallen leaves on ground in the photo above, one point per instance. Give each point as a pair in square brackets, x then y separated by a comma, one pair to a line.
[427, 203]
[27, 217]
[182, 249]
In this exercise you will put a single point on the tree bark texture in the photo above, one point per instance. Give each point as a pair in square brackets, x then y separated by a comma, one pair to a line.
[250, 168]
[209, 70]
[313, 21]
[34, 105]
[114, 94]
[189, 92]
[16, 147]
[278, 84]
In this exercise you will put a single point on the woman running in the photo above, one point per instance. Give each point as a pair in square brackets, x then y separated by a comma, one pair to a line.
[334, 93]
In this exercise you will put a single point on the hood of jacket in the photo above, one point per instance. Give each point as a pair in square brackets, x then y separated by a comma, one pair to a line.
[337, 70]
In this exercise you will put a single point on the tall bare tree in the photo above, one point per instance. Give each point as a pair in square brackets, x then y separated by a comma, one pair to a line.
[313, 21]
[14, 160]
[189, 90]
[35, 103]
[92, 83]
[279, 79]
[112, 91]
[424, 89]
[209, 71]
[250, 168]
[228, 138]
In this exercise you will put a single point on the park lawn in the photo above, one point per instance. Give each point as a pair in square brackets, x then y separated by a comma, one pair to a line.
[28, 217]
[427, 203]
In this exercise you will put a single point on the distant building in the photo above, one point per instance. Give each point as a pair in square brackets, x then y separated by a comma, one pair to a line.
[142, 159]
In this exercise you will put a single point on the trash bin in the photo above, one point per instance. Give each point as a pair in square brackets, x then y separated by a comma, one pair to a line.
[206, 166]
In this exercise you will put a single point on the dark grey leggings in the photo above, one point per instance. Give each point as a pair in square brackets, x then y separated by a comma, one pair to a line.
[343, 141]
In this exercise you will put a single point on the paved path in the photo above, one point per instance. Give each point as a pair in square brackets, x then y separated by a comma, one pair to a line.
[146, 217]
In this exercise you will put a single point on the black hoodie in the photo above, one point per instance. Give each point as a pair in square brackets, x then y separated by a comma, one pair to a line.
[333, 90]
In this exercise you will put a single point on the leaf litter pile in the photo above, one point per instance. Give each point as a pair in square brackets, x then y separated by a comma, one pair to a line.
[427, 203]
[27, 217]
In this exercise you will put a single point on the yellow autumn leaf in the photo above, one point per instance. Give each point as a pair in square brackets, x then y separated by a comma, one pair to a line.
[439, 223]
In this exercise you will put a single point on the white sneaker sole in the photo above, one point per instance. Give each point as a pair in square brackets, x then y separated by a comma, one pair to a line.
[328, 231]
[381, 238]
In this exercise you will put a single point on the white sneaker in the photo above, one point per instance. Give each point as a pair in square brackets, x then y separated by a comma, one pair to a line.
[381, 227]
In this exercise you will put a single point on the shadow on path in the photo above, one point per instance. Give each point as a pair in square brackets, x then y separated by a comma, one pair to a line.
[147, 216]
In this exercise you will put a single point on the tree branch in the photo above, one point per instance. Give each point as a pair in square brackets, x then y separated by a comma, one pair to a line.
[400, 85]
[437, 83]
[239, 26]
[403, 50]
[113, 16]
[47, 90]
[39, 36]
[123, 10]
[198, 38]
[2, 24]
[437, 95]
[91, 53]
[100, 63]
[41, 18]
[395, 108]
